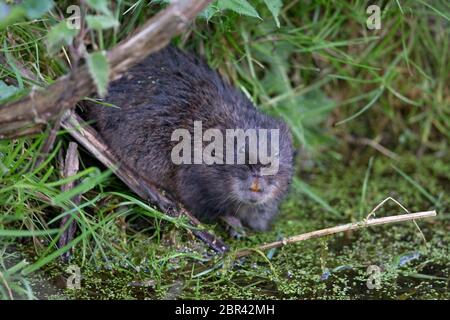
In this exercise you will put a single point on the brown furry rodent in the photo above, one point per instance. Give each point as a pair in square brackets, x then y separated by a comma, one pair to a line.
[170, 90]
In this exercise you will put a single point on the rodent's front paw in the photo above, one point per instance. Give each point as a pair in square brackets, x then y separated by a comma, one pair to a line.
[234, 227]
[237, 234]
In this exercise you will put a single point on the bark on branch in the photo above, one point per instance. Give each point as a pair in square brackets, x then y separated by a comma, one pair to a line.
[70, 168]
[31, 113]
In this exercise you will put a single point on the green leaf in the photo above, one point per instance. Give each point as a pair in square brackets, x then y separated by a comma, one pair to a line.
[7, 91]
[101, 22]
[209, 12]
[5, 11]
[35, 9]
[59, 35]
[99, 5]
[274, 7]
[238, 6]
[9, 15]
[99, 69]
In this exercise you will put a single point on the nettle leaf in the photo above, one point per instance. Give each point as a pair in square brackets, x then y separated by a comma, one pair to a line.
[209, 11]
[274, 7]
[11, 15]
[101, 22]
[99, 69]
[31, 9]
[99, 5]
[238, 6]
[35, 9]
[59, 35]
[7, 91]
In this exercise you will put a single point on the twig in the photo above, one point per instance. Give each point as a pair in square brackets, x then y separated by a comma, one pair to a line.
[145, 189]
[337, 229]
[48, 144]
[30, 114]
[71, 166]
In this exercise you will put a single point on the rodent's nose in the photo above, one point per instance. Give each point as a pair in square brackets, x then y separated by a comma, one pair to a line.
[256, 186]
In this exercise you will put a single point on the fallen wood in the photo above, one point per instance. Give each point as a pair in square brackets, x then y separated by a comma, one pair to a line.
[31, 114]
[71, 166]
[48, 144]
[337, 229]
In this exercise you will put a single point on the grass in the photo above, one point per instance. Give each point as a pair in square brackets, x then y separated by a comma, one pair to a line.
[329, 77]
[335, 267]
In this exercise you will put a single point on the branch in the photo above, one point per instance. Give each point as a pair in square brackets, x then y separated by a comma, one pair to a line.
[30, 114]
[337, 229]
[71, 166]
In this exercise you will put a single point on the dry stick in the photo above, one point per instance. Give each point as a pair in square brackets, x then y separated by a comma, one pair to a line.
[92, 141]
[337, 229]
[31, 113]
[71, 166]
[48, 144]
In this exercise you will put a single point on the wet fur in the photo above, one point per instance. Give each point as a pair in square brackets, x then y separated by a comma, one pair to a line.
[170, 90]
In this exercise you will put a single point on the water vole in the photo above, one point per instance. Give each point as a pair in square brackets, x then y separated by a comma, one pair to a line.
[170, 90]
